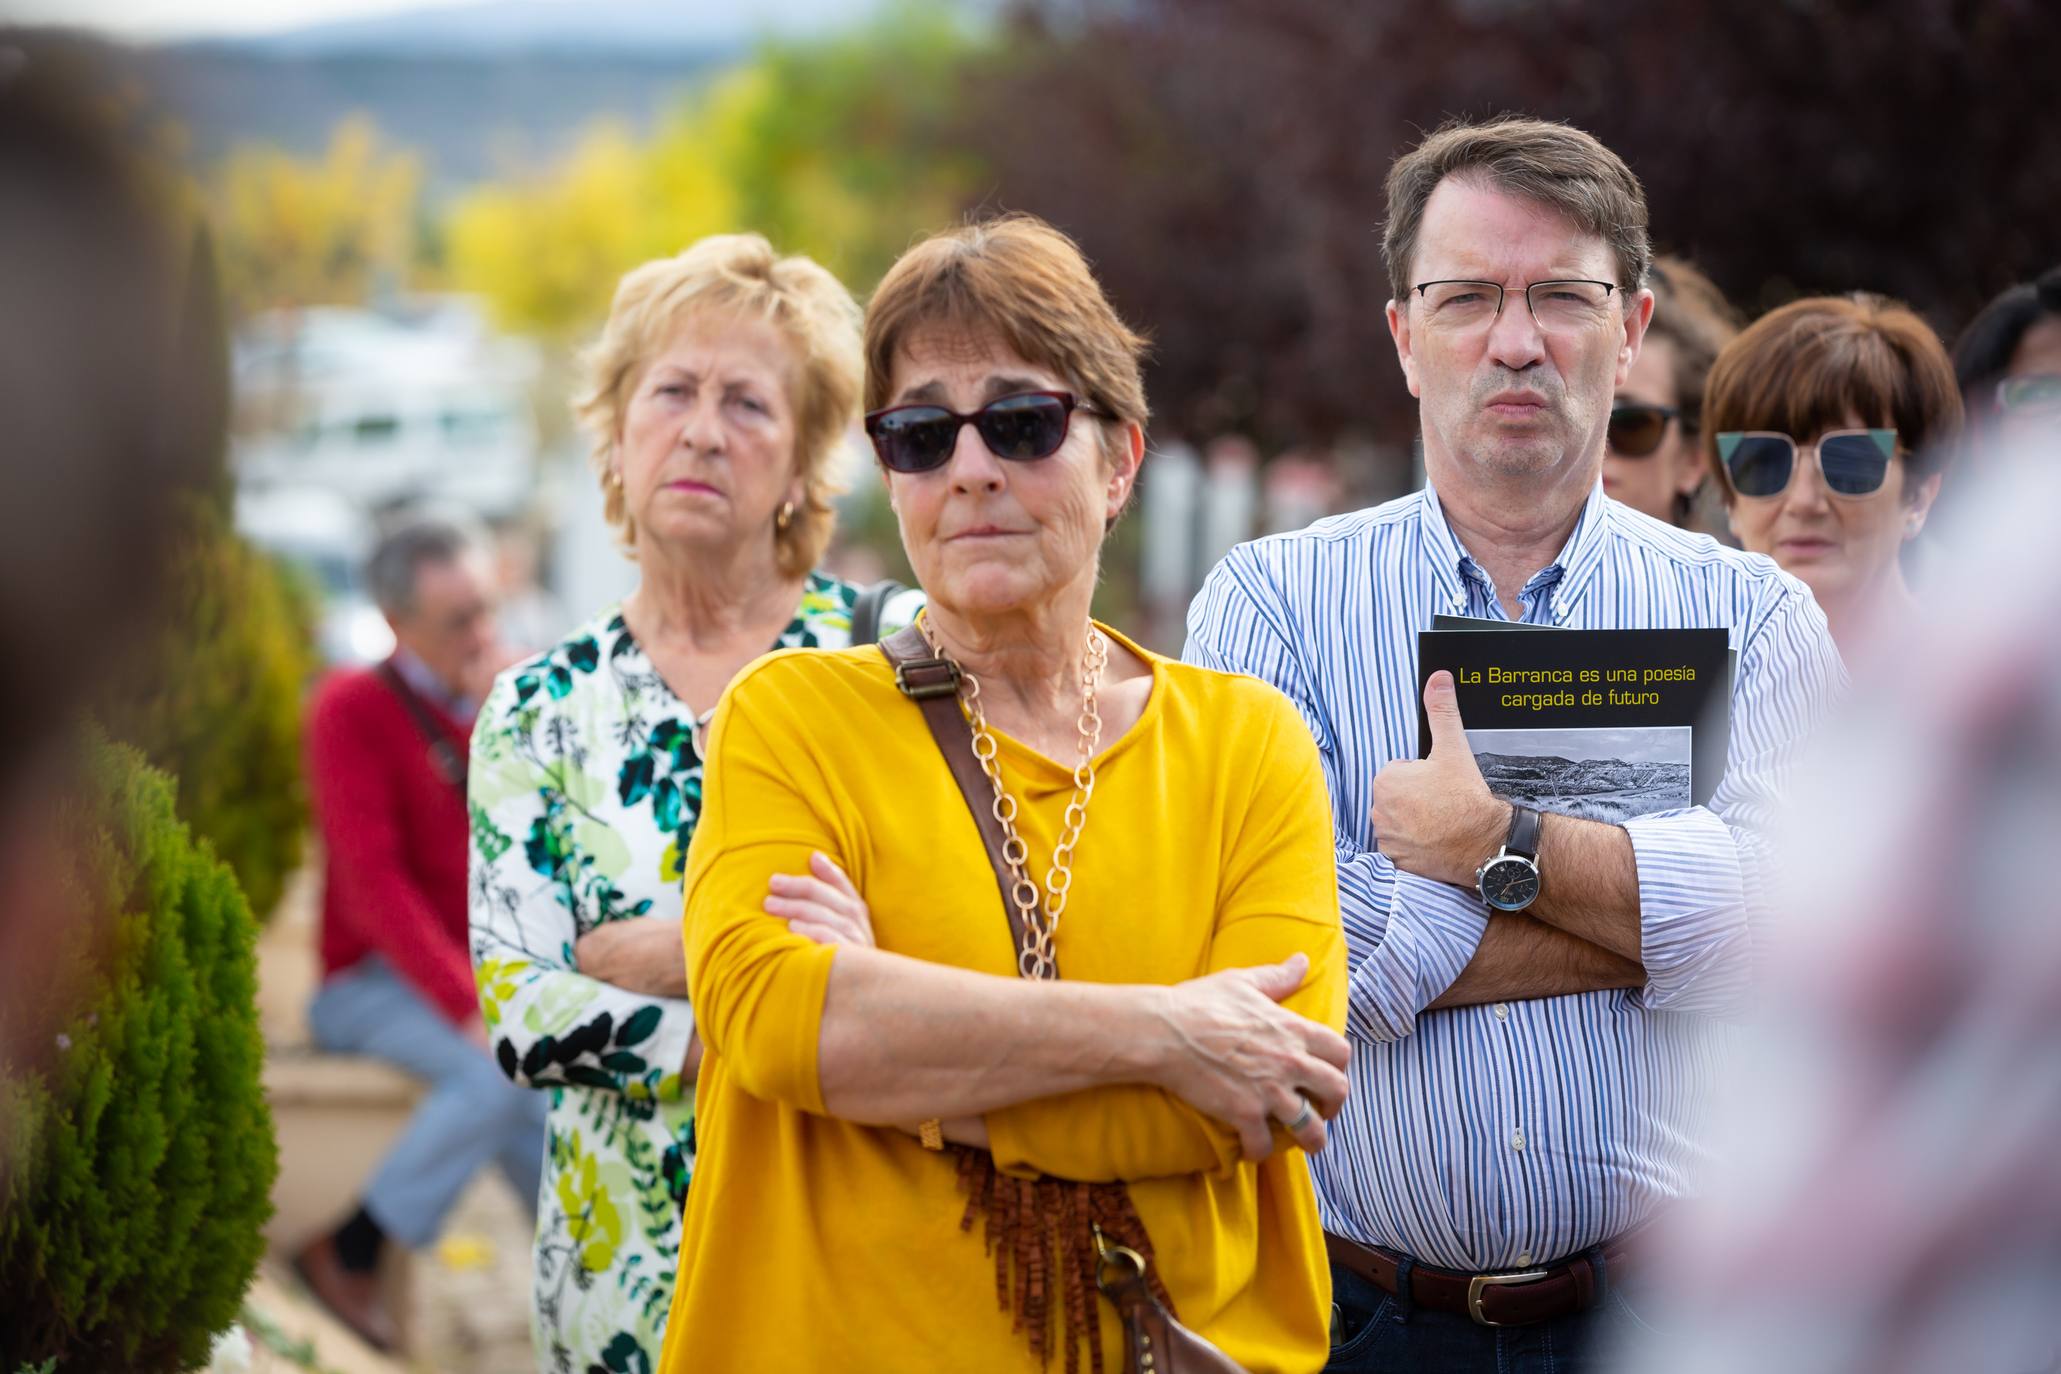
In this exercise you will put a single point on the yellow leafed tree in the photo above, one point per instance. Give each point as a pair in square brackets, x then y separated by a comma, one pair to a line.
[547, 252]
[330, 231]
[809, 144]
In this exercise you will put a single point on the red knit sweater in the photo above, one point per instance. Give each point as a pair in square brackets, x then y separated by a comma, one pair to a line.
[395, 832]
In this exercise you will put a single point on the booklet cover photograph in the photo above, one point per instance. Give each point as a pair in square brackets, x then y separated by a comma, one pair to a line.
[1598, 774]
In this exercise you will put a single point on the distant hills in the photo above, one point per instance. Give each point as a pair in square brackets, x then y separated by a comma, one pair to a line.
[480, 90]
[559, 28]
[470, 118]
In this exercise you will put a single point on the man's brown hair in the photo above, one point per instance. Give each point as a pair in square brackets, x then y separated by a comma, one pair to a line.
[1550, 164]
[1802, 369]
[1022, 280]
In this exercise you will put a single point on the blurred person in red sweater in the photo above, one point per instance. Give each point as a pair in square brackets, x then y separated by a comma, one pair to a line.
[386, 766]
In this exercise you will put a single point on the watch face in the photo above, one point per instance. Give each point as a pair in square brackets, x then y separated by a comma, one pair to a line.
[1509, 883]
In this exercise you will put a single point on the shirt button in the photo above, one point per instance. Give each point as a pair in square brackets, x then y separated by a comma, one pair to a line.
[1502, 1011]
[1524, 1260]
[1517, 1140]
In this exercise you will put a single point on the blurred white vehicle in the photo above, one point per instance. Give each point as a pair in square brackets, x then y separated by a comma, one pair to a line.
[328, 538]
[388, 407]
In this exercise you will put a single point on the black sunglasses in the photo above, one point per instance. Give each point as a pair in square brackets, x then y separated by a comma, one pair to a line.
[1636, 430]
[1026, 426]
[1853, 462]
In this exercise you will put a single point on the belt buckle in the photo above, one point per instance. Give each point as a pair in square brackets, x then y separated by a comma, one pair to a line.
[1480, 1281]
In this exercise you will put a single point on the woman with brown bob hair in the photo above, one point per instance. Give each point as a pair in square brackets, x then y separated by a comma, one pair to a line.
[945, 1096]
[1829, 421]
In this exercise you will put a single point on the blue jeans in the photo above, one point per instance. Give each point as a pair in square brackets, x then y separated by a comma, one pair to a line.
[472, 1116]
[1375, 1332]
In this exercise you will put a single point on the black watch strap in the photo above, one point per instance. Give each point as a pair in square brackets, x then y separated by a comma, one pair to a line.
[1524, 831]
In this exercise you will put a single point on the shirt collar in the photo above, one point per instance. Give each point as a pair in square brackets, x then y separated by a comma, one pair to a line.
[427, 685]
[1451, 565]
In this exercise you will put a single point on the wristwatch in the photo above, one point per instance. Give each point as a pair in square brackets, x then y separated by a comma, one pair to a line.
[1509, 881]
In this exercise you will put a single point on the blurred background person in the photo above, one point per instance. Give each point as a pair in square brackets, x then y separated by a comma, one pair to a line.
[1654, 461]
[715, 402]
[1131, 1092]
[386, 767]
[532, 617]
[1887, 1201]
[1830, 421]
[2008, 361]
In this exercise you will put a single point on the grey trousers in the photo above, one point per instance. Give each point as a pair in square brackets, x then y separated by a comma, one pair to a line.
[472, 1116]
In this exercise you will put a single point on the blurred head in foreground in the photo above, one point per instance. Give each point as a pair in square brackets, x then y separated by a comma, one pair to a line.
[1889, 1200]
[113, 392]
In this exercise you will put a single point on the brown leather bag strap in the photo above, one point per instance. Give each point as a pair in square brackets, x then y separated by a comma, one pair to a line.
[933, 684]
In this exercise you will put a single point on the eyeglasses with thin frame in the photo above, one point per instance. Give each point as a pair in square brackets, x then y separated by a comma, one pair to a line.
[1021, 428]
[1636, 430]
[1557, 307]
[1761, 462]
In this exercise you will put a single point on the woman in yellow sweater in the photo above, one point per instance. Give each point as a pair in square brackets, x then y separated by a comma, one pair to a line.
[911, 1130]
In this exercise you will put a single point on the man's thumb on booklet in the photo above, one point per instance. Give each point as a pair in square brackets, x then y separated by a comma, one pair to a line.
[1442, 709]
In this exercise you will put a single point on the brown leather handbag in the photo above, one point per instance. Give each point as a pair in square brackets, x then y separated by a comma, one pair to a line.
[1154, 1341]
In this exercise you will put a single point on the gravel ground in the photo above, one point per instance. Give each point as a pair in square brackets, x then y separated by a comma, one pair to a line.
[471, 1290]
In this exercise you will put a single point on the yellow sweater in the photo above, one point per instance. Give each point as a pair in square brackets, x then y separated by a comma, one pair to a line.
[816, 1244]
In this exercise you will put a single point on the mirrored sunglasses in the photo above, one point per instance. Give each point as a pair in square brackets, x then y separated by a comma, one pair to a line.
[1853, 462]
[1636, 430]
[1021, 428]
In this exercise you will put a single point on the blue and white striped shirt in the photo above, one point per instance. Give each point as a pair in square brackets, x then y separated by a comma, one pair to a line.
[1498, 1137]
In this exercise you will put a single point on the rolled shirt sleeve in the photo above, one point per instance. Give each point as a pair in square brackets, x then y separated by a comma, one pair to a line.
[1704, 873]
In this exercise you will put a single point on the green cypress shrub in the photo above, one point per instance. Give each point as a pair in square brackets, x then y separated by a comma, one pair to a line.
[141, 1148]
[215, 700]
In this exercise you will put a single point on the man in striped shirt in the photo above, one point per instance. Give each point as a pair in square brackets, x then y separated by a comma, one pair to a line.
[1528, 1088]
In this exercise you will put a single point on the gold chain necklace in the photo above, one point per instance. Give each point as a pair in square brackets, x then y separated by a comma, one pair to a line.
[1040, 920]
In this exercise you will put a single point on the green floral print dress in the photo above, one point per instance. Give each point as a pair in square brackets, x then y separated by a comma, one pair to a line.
[585, 789]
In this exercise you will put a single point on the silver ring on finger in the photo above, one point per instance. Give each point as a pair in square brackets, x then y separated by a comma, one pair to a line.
[1302, 1118]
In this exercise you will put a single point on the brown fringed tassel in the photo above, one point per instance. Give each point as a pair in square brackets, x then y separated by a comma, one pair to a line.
[1042, 1235]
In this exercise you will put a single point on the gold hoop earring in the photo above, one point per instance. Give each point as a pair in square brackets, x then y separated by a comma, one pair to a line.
[784, 517]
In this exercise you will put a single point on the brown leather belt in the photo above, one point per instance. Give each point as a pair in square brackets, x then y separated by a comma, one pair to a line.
[1511, 1299]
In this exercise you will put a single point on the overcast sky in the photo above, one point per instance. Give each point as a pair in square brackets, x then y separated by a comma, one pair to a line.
[145, 19]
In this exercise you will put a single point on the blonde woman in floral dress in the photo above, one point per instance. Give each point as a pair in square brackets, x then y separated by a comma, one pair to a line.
[716, 397]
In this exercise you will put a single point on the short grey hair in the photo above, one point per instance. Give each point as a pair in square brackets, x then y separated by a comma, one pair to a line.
[1548, 163]
[409, 544]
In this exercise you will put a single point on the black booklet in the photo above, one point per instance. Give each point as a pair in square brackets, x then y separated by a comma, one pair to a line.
[1605, 724]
